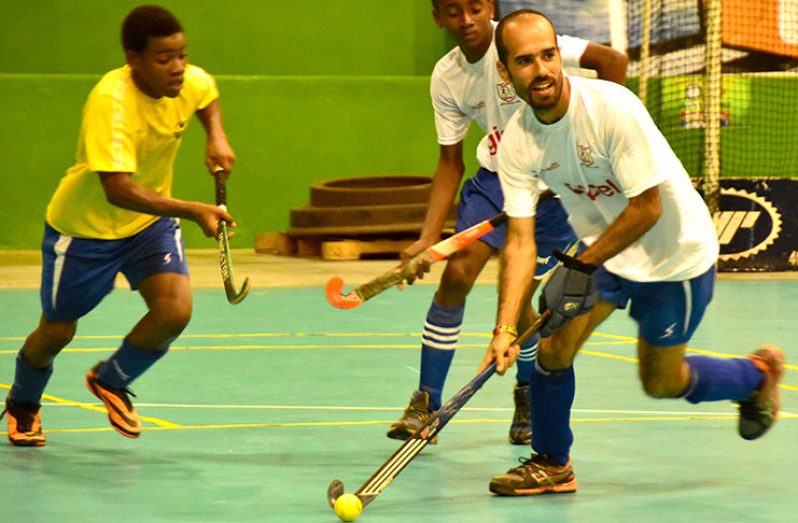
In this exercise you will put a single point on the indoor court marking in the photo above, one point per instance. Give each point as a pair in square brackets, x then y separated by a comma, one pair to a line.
[257, 408]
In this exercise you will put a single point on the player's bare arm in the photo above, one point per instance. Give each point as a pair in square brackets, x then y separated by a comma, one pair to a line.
[122, 191]
[515, 281]
[640, 215]
[608, 63]
[445, 182]
[218, 152]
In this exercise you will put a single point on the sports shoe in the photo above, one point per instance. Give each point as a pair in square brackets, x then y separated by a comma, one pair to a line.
[416, 414]
[24, 424]
[758, 412]
[121, 413]
[521, 428]
[536, 475]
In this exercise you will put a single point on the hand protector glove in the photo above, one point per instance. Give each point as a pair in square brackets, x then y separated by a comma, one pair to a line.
[570, 292]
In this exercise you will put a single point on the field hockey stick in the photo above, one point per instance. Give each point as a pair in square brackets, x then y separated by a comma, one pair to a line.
[233, 294]
[439, 251]
[384, 475]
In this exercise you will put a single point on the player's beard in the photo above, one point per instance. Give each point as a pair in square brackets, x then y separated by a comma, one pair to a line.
[549, 98]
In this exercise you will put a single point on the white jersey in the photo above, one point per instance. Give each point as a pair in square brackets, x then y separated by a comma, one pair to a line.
[603, 151]
[462, 92]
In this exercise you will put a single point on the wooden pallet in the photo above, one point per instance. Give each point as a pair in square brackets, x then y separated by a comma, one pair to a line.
[329, 248]
[275, 243]
[357, 249]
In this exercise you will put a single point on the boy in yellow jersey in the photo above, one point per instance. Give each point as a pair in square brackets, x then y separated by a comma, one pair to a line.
[113, 212]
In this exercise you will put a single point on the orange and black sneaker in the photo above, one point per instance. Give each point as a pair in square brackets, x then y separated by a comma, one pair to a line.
[24, 424]
[537, 475]
[122, 415]
[758, 412]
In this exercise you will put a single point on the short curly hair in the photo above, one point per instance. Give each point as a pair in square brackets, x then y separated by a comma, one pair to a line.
[144, 22]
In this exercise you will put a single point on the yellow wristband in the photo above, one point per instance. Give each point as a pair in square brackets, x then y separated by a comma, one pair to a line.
[503, 327]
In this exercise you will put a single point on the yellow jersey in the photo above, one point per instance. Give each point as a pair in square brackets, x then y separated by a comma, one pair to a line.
[124, 130]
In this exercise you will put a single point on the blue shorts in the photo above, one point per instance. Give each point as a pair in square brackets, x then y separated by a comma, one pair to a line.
[668, 312]
[77, 273]
[481, 199]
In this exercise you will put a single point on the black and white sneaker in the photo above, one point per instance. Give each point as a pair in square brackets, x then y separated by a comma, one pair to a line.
[416, 414]
[521, 427]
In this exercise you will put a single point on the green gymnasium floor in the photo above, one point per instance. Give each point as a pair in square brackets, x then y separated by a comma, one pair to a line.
[259, 406]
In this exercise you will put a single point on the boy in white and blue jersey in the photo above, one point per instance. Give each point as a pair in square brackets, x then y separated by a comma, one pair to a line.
[465, 87]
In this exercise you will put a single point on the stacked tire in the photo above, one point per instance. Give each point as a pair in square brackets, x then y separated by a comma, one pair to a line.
[376, 206]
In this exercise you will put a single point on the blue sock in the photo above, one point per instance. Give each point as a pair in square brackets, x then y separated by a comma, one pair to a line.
[552, 398]
[713, 379]
[29, 382]
[127, 364]
[525, 365]
[438, 342]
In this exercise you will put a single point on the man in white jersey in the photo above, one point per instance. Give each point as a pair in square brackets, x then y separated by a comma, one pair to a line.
[466, 87]
[648, 241]
[113, 212]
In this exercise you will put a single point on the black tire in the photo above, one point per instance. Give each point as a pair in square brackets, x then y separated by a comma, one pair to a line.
[371, 190]
[404, 230]
[358, 215]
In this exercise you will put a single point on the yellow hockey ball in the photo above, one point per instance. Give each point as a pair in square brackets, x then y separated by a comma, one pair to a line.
[348, 507]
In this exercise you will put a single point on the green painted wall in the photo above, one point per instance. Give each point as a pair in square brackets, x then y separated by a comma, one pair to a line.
[250, 37]
[311, 90]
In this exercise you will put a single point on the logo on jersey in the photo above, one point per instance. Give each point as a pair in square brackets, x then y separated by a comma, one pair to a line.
[746, 225]
[608, 189]
[505, 92]
[585, 154]
[493, 140]
[167, 258]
